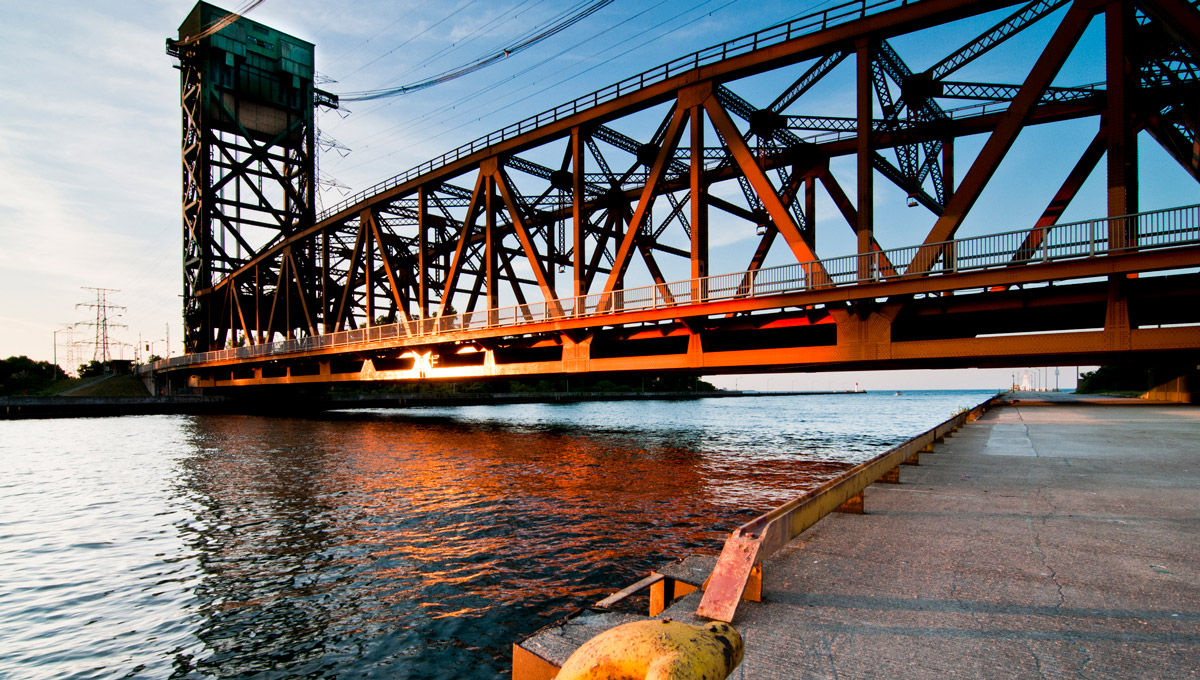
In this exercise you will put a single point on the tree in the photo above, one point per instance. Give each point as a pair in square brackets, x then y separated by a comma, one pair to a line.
[1117, 378]
[22, 375]
[91, 369]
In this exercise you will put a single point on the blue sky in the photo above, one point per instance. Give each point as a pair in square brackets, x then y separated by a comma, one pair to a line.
[89, 136]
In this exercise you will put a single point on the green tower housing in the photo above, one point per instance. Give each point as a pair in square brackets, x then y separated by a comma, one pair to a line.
[249, 168]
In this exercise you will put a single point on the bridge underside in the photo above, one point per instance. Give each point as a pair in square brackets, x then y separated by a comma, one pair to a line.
[983, 319]
[550, 220]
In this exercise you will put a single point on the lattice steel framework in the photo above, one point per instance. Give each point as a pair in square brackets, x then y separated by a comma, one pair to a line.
[247, 96]
[493, 222]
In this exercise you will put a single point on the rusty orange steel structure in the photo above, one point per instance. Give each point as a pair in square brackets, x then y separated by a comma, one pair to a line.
[490, 261]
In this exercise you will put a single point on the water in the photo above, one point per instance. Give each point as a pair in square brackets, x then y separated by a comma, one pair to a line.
[402, 544]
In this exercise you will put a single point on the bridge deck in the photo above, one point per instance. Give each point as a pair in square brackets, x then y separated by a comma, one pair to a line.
[1167, 239]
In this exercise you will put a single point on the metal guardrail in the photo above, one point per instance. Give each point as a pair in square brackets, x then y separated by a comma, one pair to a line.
[1173, 227]
[774, 35]
[762, 536]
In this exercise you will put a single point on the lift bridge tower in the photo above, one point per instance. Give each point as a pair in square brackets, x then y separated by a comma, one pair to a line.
[249, 164]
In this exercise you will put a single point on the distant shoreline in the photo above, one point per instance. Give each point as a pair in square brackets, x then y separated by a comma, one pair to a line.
[19, 408]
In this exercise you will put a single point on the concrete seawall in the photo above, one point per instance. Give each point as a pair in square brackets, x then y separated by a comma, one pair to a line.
[1047, 539]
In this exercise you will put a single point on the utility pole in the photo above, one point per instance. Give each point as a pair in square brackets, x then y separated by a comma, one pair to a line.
[101, 324]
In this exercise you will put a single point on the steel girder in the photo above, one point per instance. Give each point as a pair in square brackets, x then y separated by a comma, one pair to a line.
[839, 330]
[501, 224]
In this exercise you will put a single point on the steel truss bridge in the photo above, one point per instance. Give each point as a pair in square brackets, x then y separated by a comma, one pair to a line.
[491, 261]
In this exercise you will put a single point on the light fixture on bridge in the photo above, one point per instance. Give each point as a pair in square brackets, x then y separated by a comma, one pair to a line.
[762, 229]
[912, 200]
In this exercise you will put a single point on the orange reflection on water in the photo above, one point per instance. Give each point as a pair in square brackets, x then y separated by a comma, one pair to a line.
[415, 527]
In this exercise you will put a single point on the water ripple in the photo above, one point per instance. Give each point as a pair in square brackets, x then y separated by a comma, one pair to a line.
[399, 544]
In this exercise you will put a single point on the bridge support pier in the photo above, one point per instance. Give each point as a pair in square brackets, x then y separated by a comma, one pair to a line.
[1174, 384]
[854, 505]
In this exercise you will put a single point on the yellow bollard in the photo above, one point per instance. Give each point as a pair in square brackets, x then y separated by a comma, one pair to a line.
[657, 650]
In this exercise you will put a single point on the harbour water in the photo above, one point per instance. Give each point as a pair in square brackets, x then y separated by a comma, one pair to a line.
[415, 543]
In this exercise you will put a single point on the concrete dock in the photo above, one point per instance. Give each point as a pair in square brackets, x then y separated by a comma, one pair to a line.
[1051, 538]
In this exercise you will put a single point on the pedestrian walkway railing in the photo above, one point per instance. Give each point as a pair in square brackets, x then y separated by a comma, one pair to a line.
[758, 539]
[1174, 227]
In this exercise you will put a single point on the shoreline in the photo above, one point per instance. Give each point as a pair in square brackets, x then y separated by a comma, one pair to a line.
[24, 408]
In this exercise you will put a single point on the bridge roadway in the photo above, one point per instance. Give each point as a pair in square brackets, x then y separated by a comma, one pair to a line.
[1064, 295]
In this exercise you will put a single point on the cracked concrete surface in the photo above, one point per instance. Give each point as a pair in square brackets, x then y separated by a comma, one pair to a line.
[1047, 540]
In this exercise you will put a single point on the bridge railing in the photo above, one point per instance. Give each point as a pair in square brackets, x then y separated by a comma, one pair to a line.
[1157, 229]
[774, 35]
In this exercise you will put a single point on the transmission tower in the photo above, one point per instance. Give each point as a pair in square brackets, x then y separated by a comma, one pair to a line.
[70, 358]
[101, 324]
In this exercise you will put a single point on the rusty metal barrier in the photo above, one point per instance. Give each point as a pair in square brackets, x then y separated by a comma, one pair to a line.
[761, 537]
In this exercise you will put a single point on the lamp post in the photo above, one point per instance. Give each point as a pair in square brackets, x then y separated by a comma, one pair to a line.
[150, 346]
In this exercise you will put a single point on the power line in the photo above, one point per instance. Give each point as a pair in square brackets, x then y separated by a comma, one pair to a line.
[429, 28]
[376, 34]
[216, 26]
[452, 105]
[409, 125]
[511, 14]
[446, 76]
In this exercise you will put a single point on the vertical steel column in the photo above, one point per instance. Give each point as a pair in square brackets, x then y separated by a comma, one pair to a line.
[552, 252]
[866, 190]
[197, 152]
[257, 298]
[947, 169]
[492, 248]
[365, 219]
[283, 284]
[422, 246]
[1122, 140]
[699, 207]
[326, 307]
[810, 210]
[1122, 162]
[578, 234]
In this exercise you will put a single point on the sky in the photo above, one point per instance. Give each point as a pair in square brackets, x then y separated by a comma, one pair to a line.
[90, 132]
